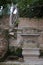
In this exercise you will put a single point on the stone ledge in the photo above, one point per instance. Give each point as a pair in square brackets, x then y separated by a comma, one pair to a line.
[30, 34]
[31, 48]
[26, 62]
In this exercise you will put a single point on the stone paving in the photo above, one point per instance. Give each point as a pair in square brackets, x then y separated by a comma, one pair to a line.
[26, 62]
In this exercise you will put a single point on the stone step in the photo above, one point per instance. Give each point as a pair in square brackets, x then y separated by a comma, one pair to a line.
[30, 34]
[33, 51]
[30, 53]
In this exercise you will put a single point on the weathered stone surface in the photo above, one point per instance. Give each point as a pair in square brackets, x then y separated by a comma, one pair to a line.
[32, 23]
[30, 43]
[30, 53]
[3, 45]
[12, 41]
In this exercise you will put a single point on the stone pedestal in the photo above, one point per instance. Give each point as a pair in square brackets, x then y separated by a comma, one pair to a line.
[30, 46]
[31, 53]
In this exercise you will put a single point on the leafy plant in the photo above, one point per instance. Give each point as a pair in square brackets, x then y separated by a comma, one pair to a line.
[27, 8]
[41, 53]
[31, 8]
[16, 23]
[16, 52]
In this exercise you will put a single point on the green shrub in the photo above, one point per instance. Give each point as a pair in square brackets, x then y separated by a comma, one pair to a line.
[41, 53]
[16, 52]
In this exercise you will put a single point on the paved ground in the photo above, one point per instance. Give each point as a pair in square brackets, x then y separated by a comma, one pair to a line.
[26, 62]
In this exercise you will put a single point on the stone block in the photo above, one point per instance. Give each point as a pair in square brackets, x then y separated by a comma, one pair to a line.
[30, 53]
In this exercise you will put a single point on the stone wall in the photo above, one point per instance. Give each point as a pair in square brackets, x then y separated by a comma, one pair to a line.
[26, 22]
[34, 23]
[3, 45]
[4, 22]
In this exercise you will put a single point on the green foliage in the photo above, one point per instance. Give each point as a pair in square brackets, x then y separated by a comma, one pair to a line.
[27, 8]
[31, 8]
[12, 50]
[15, 51]
[19, 52]
[4, 2]
[41, 53]
[16, 23]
